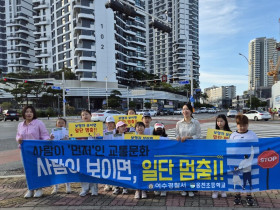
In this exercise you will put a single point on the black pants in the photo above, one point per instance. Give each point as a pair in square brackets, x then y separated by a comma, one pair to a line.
[247, 177]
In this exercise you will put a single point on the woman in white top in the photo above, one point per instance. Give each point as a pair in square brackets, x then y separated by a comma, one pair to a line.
[187, 128]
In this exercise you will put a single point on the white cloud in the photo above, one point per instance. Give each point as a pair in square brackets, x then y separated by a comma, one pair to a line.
[218, 17]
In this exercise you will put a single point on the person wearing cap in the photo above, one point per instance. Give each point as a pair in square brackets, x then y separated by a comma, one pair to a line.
[111, 128]
[108, 135]
[120, 131]
[159, 130]
[186, 129]
[147, 119]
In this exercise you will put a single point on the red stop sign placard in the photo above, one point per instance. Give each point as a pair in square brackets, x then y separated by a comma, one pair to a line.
[268, 159]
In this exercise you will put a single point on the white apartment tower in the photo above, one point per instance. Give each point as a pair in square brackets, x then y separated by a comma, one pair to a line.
[3, 42]
[171, 54]
[20, 38]
[261, 50]
[96, 43]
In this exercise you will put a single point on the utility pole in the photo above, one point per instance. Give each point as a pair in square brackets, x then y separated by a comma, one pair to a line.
[107, 92]
[63, 95]
[88, 101]
[127, 98]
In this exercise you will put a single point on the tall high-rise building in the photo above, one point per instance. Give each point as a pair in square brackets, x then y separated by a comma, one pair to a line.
[3, 42]
[100, 44]
[171, 53]
[261, 50]
[20, 37]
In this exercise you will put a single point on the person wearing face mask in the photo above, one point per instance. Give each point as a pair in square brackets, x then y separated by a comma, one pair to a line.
[186, 129]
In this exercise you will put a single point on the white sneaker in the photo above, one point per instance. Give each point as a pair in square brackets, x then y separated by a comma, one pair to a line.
[29, 194]
[215, 195]
[83, 193]
[38, 193]
[124, 191]
[94, 189]
[223, 194]
[157, 192]
[144, 194]
[191, 194]
[116, 191]
[68, 188]
[107, 188]
[183, 193]
[137, 194]
[163, 194]
[55, 189]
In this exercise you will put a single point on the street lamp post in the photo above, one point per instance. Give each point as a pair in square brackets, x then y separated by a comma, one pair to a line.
[250, 94]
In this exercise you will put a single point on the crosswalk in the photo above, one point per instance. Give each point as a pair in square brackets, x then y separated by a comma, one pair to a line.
[263, 130]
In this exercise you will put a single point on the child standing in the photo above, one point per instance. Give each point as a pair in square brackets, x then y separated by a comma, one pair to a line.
[140, 128]
[221, 124]
[60, 124]
[242, 132]
[86, 117]
[120, 131]
[147, 119]
[159, 130]
[108, 135]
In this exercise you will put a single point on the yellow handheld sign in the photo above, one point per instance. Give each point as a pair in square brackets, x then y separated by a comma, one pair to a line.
[130, 120]
[140, 137]
[86, 129]
[217, 134]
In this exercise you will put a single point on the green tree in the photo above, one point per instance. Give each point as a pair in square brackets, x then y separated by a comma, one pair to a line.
[114, 99]
[132, 104]
[147, 105]
[6, 105]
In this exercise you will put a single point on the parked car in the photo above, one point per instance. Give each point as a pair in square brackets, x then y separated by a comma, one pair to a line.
[163, 111]
[178, 112]
[1, 117]
[10, 115]
[203, 110]
[170, 111]
[258, 115]
[211, 110]
[153, 112]
[232, 113]
[102, 114]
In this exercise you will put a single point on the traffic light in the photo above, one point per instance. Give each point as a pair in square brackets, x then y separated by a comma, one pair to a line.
[160, 26]
[122, 8]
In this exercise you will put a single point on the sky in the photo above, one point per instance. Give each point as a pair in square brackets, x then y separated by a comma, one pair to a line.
[225, 29]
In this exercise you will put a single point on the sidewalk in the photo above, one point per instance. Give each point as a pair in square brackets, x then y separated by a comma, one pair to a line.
[13, 189]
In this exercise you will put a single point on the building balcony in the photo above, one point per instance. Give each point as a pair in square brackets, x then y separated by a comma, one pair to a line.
[13, 23]
[81, 70]
[86, 58]
[42, 54]
[42, 5]
[86, 16]
[42, 38]
[87, 37]
[42, 21]
[84, 79]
